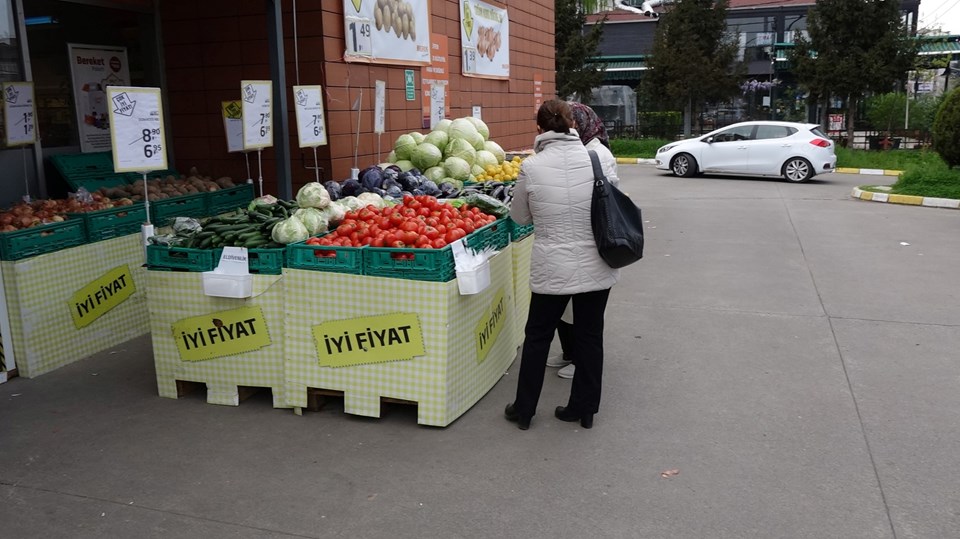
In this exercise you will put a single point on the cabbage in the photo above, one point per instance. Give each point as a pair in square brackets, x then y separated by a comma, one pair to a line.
[392, 157]
[417, 136]
[313, 195]
[462, 149]
[350, 188]
[443, 125]
[425, 155]
[371, 177]
[481, 127]
[266, 200]
[333, 189]
[351, 203]
[476, 170]
[438, 138]
[404, 165]
[435, 173]
[456, 168]
[403, 146]
[371, 199]
[334, 213]
[485, 158]
[313, 219]
[463, 128]
[496, 150]
[290, 230]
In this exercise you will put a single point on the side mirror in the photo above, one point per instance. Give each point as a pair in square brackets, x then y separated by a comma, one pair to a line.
[708, 140]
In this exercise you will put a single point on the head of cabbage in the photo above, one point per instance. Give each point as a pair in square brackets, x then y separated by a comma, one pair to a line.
[462, 149]
[438, 138]
[403, 146]
[290, 230]
[417, 136]
[457, 168]
[314, 220]
[404, 165]
[425, 155]
[495, 149]
[371, 199]
[481, 127]
[443, 125]
[313, 195]
[485, 159]
[436, 174]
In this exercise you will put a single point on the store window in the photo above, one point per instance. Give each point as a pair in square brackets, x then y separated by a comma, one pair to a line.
[757, 36]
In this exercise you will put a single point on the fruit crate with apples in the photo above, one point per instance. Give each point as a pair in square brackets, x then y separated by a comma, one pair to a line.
[40, 239]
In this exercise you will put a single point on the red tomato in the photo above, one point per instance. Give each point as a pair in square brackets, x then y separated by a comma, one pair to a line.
[439, 243]
[468, 226]
[397, 244]
[409, 226]
[407, 199]
[422, 241]
[431, 232]
[441, 228]
[432, 221]
[344, 229]
[396, 218]
[409, 237]
[377, 242]
[390, 238]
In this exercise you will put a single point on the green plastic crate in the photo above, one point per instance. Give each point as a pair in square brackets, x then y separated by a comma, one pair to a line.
[41, 239]
[179, 258]
[518, 232]
[326, 258]
[261, 261]
[229, 199]
[435, 265]
[163, 212]
[112, 222]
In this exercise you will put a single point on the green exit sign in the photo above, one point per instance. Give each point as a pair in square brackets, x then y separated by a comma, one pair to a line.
[408, 78]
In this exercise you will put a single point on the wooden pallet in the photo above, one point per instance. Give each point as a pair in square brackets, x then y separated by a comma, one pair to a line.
[318, 398]
[187, 387]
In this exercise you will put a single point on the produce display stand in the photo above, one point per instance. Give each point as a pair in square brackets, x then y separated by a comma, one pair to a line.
[468, 341]
[66, 305]
[522, 249]
[199, 338]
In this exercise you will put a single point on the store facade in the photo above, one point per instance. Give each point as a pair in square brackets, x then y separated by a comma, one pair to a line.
[199, 52]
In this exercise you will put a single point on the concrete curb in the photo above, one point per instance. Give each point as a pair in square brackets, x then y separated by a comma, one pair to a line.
[868, 171]
[635, 161]
[911, 200]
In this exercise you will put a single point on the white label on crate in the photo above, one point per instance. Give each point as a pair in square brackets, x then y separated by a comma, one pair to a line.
[19, 114]
[257, 100]
[136, 134]
[311, 126]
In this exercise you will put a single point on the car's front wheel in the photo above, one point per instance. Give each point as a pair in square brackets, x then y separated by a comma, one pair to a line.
[684, 165]
[797, 170]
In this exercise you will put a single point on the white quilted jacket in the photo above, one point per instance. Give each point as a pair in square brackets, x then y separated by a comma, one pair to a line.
[553, 192]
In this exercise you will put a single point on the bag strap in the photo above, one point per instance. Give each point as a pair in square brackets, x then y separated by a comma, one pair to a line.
[597, 169]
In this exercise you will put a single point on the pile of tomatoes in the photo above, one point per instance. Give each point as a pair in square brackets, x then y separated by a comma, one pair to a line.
[419, 222]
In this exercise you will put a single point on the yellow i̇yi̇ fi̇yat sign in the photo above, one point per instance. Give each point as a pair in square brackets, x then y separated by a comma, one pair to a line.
[224, 333]
[490, 326]
[104, 293]
[370, 339]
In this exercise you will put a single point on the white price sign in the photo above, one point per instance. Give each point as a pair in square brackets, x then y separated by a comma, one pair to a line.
[233, 125]
[485, 40]
[308, 102]
[380, 108]
[437, 102]
[136, 134]
[19, 114]
[387, 31]
[257, 104]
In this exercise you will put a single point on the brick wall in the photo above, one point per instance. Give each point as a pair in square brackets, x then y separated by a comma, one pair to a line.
[210, 46]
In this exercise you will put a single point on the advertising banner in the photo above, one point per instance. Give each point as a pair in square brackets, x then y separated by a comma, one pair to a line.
[92, 69]
[437, 73]
[485, 40]
[387, 31]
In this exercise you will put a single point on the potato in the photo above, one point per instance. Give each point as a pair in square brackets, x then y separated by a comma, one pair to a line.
[413, 31]
[405, 25]
[387, 18]
[378, 17]
[396, 24]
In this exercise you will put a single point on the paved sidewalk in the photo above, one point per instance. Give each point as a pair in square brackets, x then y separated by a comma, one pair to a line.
[789, 351]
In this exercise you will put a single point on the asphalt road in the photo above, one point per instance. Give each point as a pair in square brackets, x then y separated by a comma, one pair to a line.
[789, 352]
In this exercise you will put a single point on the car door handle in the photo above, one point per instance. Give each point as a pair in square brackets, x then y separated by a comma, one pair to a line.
[786, 145]
[741, 147]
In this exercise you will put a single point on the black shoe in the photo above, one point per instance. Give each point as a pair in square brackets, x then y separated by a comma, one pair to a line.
[564, 414]
[523, 423]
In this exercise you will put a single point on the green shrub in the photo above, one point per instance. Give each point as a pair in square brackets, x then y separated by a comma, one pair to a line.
[929, 180]
[946, 129]
[642, 148]
[890, 160]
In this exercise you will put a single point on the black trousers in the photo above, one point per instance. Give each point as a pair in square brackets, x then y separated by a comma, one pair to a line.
[567, 339]
[545, 313]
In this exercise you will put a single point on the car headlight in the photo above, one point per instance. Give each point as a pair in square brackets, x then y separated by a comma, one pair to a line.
[666, 148]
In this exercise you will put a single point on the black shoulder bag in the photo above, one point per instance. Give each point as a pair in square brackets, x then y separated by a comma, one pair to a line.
[616, 221]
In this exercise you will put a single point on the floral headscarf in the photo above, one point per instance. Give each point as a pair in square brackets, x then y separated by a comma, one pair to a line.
[588, 124]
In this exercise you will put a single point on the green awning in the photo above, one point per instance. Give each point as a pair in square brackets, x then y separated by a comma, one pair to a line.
[931, 48]
[621, 67]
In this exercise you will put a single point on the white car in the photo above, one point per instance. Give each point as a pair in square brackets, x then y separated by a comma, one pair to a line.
[794, 151]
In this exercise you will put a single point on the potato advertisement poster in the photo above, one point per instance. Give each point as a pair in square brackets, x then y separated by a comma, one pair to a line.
[485, 38]
[387, 31]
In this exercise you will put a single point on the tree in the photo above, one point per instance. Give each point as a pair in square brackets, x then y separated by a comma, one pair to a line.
[576, 46]
[693, 60]
[946, 129]
[855, 47]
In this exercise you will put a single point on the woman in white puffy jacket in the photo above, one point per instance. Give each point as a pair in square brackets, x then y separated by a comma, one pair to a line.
[554, 191]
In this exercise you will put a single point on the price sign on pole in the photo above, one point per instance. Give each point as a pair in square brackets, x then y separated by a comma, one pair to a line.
[308, 102]
[380, 108]
[233, 125]
[437, 101]
[136, 129]
[257, 106]
[19, 114]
